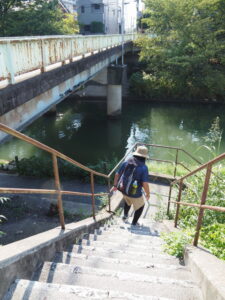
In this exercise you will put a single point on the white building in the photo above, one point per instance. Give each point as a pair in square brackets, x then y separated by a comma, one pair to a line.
[70, 5]
[105, 16]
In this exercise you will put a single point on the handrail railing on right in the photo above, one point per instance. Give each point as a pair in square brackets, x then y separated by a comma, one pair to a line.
[201, 206]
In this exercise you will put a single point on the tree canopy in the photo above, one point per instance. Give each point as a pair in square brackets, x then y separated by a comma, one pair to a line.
[39, 17]
[185, 49]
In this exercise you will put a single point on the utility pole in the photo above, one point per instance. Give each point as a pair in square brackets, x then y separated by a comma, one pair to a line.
[122, 29]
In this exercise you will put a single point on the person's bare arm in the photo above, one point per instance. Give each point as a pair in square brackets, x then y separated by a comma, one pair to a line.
[116, 178]
[146, 189]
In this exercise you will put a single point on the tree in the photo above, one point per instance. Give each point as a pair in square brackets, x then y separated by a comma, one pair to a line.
[5, 7]
[69, 24]
[97, 27]
[185, 53]
[39, 17]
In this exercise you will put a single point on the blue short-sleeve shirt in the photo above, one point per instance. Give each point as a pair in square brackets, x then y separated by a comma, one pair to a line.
[141, 175]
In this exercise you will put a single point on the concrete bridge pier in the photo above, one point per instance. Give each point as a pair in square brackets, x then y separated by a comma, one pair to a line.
[114, 90]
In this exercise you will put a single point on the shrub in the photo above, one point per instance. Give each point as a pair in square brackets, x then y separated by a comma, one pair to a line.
[97, 27]
[176, 242]
[213, 238]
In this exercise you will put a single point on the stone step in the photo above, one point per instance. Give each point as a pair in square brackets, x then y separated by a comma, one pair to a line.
[34, 290]
[145, 222]
[121, 245]
[129, 238]
[144, 225]
[125, 254]
[94, 261]
[142, 232]
[120, 248]
[119, 281]
[127, 228]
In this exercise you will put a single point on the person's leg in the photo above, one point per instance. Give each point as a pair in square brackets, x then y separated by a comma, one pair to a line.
[138, 204]
[127, 206]
[137, 215]
[126, 210]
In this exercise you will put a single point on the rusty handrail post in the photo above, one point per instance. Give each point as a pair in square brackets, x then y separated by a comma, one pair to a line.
[169, 197]
[109, 188]
[203, 200]
[59, 195]
[176, 160]
[93, 195]
[178, 200]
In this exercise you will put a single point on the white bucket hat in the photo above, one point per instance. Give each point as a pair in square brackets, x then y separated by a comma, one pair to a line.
[141, 151]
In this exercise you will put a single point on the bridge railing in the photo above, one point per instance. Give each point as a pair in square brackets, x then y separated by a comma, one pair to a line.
[22, 55]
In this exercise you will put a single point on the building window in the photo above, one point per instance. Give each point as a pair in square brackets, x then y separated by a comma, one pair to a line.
[96, 6]
[82, 9]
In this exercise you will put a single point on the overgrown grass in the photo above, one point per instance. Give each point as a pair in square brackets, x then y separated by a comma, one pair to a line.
[166, 168]
[176, 242]
[104, 200]
[212, 234]
[42, 167]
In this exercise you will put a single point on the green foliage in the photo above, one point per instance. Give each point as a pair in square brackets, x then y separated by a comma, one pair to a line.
[119, 211]
[176, 242]
[161, 214]
[184, 50]
[97, 27]
[166, 168]
[213, 238]
[214, 137]
[5, 7]
[103, 201]
[212, 234]
[151, 86]
[69, 24]
[42, 167]
[38, 17]
[215, 197]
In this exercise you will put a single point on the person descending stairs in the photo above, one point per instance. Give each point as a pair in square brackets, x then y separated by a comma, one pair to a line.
[119, 261]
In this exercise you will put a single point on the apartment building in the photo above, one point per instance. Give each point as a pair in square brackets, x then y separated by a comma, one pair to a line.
[105, 16]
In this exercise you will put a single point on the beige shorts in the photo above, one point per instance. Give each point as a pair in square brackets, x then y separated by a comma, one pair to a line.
[137, 202]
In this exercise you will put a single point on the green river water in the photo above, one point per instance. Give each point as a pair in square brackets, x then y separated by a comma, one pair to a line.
[82, 131]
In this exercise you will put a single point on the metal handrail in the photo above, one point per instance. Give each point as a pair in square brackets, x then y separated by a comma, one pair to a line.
[211, 162]
[39, 145]
[57, 191]
[56, 154]
[201, 206]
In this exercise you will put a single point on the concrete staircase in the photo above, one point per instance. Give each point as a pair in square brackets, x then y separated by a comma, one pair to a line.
[118, 261]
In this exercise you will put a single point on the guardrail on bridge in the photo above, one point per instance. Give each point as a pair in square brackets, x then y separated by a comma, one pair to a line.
[21, 55]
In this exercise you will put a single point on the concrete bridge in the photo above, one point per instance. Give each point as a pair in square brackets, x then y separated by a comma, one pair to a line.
[38, 72]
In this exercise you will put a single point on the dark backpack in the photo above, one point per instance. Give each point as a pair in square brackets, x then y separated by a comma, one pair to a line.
[127, 177]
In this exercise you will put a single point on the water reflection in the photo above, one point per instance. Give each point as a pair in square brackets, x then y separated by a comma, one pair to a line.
[82, 131]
